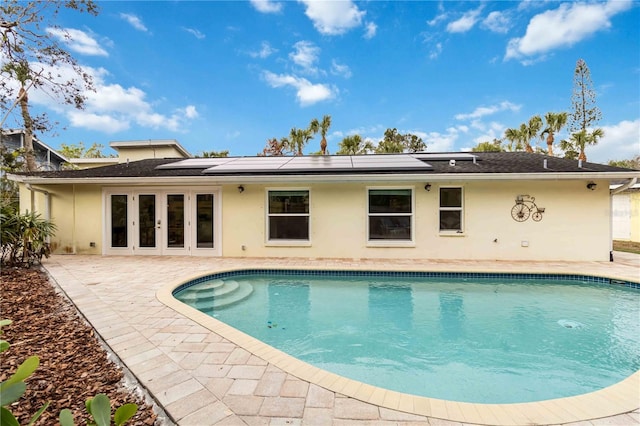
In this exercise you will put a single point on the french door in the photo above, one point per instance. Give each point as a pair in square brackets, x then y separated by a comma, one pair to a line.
[162, 222]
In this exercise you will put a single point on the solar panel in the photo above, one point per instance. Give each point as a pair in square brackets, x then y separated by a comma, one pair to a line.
[445, 156]
[196, 163]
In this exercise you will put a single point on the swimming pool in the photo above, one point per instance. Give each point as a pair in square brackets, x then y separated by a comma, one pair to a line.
[489, 338]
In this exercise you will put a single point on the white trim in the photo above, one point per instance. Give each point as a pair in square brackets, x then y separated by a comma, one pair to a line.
[286, 243]
[391, 243]
[450, 232]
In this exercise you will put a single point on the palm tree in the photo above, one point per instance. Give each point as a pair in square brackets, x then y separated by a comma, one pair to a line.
[354, 145]
[298, 139]
[323, 128]
[515, 137]
[555, 123]
[579, 140]
[531, 130]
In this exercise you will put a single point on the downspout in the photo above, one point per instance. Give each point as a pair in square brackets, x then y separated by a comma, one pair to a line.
[613, 192]
[625, 186]
[47, 202]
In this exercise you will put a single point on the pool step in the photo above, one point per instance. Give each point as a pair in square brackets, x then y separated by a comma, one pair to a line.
[222, 293]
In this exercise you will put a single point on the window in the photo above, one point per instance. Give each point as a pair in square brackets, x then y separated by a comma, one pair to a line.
[390, 214]
[288, 216]
[451, 209]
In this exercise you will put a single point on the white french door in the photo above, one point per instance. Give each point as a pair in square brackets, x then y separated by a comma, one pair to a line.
[162, 221]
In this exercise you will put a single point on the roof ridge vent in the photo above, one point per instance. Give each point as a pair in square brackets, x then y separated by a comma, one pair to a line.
[452, 162]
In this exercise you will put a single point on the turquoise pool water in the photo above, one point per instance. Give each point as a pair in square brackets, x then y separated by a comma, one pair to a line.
[485, 340]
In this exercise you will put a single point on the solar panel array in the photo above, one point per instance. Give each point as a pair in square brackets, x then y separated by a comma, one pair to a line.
[315, 163]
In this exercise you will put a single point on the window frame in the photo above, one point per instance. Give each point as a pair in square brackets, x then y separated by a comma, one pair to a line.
[391, 242]
[451, 232]
[268, 215]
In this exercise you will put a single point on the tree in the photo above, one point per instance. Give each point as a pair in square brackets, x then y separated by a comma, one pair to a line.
[322, 127]
[632, 163]
[585, 113]
[298, 139]
[273, 148]
[33, 59]
[79, 151]
[354, 145]
[516, 138]
[555, 122]
[395, 142]
[495, 146]
[215, 154]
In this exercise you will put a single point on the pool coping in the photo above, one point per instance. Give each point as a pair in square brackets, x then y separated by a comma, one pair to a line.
[616, 399]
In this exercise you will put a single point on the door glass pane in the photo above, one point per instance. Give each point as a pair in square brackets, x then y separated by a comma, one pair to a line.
[175, 221]
[147, 220]
[204, 220]
[119, 237]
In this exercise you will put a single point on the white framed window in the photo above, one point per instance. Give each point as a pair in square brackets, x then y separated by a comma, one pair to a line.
[288, 215]
[451, 210]
[390, 215]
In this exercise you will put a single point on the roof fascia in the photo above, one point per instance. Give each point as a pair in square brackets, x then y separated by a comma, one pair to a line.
[396, 177]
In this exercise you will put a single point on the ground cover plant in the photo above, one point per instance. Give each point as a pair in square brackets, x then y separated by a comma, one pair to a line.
[73, 366]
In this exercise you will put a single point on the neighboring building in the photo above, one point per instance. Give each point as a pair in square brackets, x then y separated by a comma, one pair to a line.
[483, 205]
[133, 151]
[46, 157]
[626, 212]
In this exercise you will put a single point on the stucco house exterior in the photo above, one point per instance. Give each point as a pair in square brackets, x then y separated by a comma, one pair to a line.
[481, 205]
[626, 212]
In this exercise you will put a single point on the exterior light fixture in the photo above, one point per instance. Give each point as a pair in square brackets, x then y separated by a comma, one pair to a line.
[427, 187]
[592, 185]
[241, 189]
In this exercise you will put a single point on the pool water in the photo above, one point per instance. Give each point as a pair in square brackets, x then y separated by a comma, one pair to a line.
[484, 341]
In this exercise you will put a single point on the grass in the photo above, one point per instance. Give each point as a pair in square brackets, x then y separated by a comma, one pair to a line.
[628, 246]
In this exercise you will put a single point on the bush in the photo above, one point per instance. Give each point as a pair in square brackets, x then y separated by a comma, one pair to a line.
[23, 237]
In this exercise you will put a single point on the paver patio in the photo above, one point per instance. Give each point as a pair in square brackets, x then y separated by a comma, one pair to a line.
[202, 378]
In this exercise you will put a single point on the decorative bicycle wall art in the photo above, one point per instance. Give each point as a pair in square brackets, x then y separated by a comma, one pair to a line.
[526, 206]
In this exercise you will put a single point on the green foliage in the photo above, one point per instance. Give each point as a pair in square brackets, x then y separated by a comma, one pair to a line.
[99, 408]
[11, 161]
[323, 127]
[632, 163]
[14, 387]
[23, 237]
[585, 113]
[395, 142]
[79, 150]
[214, 154]
[354, 145]
[495, 146]
[273, 148]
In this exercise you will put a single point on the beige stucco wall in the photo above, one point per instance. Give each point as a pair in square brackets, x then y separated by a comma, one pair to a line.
[635, 216]
[142, 153]
[575, 225]
[76, 211]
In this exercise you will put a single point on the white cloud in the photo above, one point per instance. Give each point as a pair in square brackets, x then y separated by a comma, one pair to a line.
[565, 26]
[497, 22]
[190, 112]
[78, 41]
[265, 51]
[305, 55]
[307, 93]
[435, 21]
[134, 21]
[620, 142]
[266, 6]
[100, 122]
[197, 34]
[436, 51]
[370, 30]
[340, 69]
[333, 17]
[440, 142]
[488, 110]
[466, 22]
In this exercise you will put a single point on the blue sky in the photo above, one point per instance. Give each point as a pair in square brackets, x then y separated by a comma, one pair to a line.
[223, 75]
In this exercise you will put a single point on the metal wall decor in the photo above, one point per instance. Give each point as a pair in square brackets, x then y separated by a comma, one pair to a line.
[526, 206]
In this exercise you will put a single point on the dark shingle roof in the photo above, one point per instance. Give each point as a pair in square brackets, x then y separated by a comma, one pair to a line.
[485, 162]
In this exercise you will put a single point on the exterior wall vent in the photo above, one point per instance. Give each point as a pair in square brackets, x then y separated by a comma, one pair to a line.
[452, 162]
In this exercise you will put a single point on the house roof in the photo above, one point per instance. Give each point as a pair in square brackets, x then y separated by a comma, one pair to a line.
[390, 167]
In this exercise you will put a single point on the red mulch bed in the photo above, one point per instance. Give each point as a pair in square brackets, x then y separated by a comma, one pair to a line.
[73, 364]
